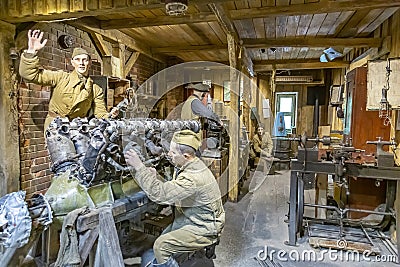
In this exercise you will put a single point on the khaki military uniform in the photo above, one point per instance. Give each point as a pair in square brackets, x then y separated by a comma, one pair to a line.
[199, 214]
[72, 96]
[264, 145]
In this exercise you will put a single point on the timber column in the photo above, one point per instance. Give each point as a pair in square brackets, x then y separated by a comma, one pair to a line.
[9, 134]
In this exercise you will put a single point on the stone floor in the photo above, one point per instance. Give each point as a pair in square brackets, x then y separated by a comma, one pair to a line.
[256, 223]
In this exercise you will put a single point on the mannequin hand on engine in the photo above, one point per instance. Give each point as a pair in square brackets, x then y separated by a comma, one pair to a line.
[133, 159]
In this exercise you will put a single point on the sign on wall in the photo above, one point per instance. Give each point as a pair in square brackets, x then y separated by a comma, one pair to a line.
[377, 79]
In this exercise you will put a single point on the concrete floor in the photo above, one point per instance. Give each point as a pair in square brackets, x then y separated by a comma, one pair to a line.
[257, 222]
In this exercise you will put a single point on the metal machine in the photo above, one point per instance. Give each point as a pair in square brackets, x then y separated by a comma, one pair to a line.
[90, 171]
[341, 162]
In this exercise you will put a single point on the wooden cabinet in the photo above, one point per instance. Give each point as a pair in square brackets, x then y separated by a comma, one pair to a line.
[361, 125]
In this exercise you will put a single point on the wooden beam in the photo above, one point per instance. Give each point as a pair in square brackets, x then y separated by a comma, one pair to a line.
[100, 45]
[311, 8]
[131, 61]
[224, 20]
[188, 48]
[118, 36]
[9, 137]
[54, 10]
[229, 28]
[306, 65]
[234, 121]
[312, 42]
[157, 21]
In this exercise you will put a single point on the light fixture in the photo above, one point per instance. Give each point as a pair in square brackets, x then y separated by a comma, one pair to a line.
[65, 41]
[331, 54]
[176, 7]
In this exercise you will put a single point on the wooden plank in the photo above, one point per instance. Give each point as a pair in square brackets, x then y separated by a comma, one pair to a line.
[86, 242]
[234, 123]
[259, 27]
[158, 21]
[254, 3]
[293, 66]
[131, 61]
[100, 45]
[311, 8]
[304, 24]
[204, 36]
[241, 5]
[312, 42]
[123, 38]
[315, 24]
[282, 2]
[350, 29]
[340, 23]
[292, 23]
[26, 7]
[378, 21]
[218, 31]
[326, 26]
[281, 23]
[371, 16]
[270, 28]
[109, 250]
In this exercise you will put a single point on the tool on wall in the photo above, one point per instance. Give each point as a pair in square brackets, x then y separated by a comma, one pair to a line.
[384, 105]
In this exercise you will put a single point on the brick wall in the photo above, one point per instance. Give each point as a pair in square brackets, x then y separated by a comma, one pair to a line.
[33, 105]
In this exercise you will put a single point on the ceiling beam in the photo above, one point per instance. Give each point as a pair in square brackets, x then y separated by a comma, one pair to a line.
[287, 65]
[187, 48]
[329, 6]
[120, 37]
[157, 21]
[312, 42]
[53, 10]
[229, 28]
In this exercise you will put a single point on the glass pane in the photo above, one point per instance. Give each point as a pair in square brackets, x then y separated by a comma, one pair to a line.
[285, 104]
[288, 122]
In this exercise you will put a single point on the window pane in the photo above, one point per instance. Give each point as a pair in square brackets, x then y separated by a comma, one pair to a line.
[288, 122]
[285, 104]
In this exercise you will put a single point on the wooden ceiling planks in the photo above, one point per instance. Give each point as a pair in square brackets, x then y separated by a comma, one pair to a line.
[304, 24]
[219, 32]
[315, 24]
[270, 27]
[379, 20]
[259, 27]
[350, 29]
[340, 23]
[326, 26]
[292, 24]
[281, 25]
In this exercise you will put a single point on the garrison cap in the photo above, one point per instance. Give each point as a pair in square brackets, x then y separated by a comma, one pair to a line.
[186, 137]
[199, 87]
[79, 51]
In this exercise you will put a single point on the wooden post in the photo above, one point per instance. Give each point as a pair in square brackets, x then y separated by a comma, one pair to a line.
[234, 121]
[9, 136]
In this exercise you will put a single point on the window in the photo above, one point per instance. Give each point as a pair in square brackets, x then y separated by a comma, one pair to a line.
[286, 102]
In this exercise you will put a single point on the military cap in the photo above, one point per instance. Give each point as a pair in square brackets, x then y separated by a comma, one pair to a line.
[186, 137]
[199, 87]
[79, 51]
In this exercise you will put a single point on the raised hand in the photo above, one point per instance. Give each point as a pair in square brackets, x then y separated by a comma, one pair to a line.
[35, 41]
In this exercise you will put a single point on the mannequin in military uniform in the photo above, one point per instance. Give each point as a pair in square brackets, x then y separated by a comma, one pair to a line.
[261, 146]
[199, 214]
[196, 104]
[73, 94]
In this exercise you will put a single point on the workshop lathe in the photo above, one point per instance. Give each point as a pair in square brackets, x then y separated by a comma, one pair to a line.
[342, 162]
